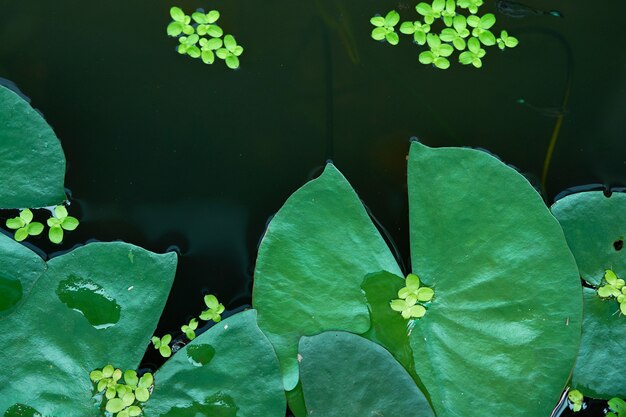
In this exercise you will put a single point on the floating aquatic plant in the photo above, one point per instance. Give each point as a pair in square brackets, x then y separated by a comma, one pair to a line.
[410, 295]
[230, 52]
[214, 310]
[190, 329]
[575, 399]
[213, 313]
[60, 221]
[385, 27]
[200, 37]
[162, 344]
[24, 226]
[125, 392]
[614, 288]
[617, 407]
[455, 32]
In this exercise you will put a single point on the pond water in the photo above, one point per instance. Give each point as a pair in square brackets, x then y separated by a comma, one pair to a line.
[164, 151]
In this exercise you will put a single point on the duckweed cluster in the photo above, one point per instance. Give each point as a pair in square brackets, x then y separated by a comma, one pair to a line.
[617, 408]
[199, 36]
[465, 34]
[576, 400]
[212, 313]
[24, 225]
[614, 288]
[124, 393]
[411, 297]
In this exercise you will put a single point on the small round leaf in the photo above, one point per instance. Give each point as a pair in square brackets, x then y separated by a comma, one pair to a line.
[392, 18]
[177, 14]
[378, 34]
[21, 234]
[215, 31]
[15, 223]
[232, 61]
[392, 38]
[199, 17]
[35, 228]
[213, 16]
[174, 28]
[70, 223]
[377, 21]
[115, 405]
[441, 63]
[208, 57]
[408, 28]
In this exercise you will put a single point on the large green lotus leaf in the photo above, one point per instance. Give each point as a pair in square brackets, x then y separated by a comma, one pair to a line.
[230, 370]
[594, 225]
[32, 164]
[95, 305]
[346, 375]
[600, 370]
[502, 333]
[311, 263]
[388, 328]
[19, 269]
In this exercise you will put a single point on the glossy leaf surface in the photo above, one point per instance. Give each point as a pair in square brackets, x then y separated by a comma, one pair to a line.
[311, 263]
[32, 163]
[95, 305]
[594, 226]
[346, 375]
[388, 328]
[502, 332]
[19, 269]
[600, 369]
[241, 376]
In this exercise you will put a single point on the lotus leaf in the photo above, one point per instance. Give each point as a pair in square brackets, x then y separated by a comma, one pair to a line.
[95, 305]
[229, 370]
[311, 263]
[502, 333]
[32, 163]
[19, 270]
[346, 375]
[595, 228]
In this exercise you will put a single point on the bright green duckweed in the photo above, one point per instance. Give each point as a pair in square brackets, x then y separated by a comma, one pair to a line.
[465, 33]
[212, 313]
[124, 392]
[411, 297]
[24, 225]
[617, 407]
[199, 36]
[576, 400]
[614, 287]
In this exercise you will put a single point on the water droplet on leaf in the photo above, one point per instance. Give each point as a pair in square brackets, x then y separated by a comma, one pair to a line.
[200, 354]
[10, 293]
[89, 299]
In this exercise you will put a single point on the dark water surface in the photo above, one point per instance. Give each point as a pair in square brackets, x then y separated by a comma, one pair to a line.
[163, 150]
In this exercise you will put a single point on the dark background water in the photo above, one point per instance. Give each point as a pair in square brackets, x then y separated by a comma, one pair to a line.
[165, 151]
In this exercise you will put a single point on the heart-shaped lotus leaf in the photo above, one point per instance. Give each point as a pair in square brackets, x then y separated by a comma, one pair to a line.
[311, 263]
[96, 305]
[230, 370]
[19, 269]
[346, 375]
[501, 335]
[32, 163]
[595, 228]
